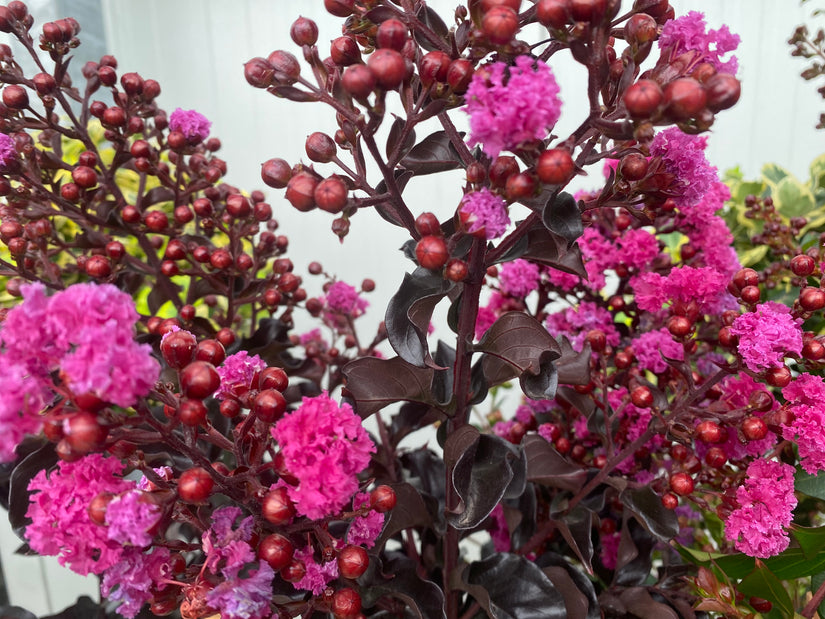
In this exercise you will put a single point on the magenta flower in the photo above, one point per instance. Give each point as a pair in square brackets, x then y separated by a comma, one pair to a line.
[364, 530]
[483, 210]
[683, 156]
[758, 527]
[8, 153]
[130, 518]
[806, 400]
[237, 372]
[133, 579]
[25, 394]
[767, 335]
[575, 322]
[636, 249]
[59, 512]
[325, 447]
[703, 287]
[650, 347]
[244, 597]
[518, 278]
[561, 279]
[190, 123]
[499, 532]
[225, 542]
[687, 33]
[317, 575]
[510, 104]
[344, 299]
[609, 552]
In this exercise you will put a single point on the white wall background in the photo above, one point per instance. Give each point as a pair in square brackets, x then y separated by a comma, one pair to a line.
[196, 50]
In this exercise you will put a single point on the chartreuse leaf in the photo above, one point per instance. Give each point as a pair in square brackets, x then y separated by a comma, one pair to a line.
[763, 583]
[773, 173]
[793, 199]
[753, 255]
[812, 485]
[818, 172]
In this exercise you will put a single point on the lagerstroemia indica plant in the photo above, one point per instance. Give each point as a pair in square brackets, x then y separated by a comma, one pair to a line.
[166, 428]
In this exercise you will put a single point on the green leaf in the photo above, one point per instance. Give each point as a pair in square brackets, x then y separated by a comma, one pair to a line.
[793, 199]
[773, 173]
[741, 190]
[811, 540]
[818, 170]
[753, 255]
[763, 583]
[812, 485]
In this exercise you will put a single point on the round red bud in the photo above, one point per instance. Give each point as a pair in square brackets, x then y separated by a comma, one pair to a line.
[269, 405]
[553, 13]
[320, 147]
[339, 8]
[754, 428]
[199, 379]
[300, 191]
[555, 166]
[344, 51]
[643, 98]
[811, 299]
[723, 91]
[459, 75]
[642, 397]
[277, 508]
[259, 73]
[15, 97]
[681, 483]
[192, 412]
[684, 98]
[346, 604]
[276, 550]
[353, 561]
[391, 34]
[304, 31]
[331, 194]
[709, 432]
[383, 499]
[500, 25]
[359, 81]
[431, 252]
[433, 67]
[388, 67]
[98, 267]
[84, 433]
[195, 485]
[803, 265]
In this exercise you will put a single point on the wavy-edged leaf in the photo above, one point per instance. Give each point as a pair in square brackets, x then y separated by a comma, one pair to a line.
[270, 342]
[487, 469]
[432, 20]
[433, 154]
[577, 590]
[387, 209]
[576, 528]
[563, 217]
[398, 578]
[547, 247]
[376, 383]
[410, 512]
[547, 467]
[573, 367]
[647, 507]
[443, 379]
[508, 586]
[409, 312]
[639, 603]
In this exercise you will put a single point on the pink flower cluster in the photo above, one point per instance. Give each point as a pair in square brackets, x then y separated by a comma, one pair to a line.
[767, 335]
[704, 287]
[651, 347]
[510, 104]
[519, 278]
[575, 322]
[485, 211]
[683, 156]
[86, 333]
[237, 373]
[8, 153]
[364, 530]
[325, 447]
[194, 125]
[344, 299]
[317, 574]
[758, 526]
[687, 33]
[806, 400]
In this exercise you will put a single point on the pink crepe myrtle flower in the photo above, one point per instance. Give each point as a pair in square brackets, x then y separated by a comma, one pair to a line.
[806, 399]
[344, 299]
[237, 372]
[758, 526]
[317, 574]
[683, 156]
[25, 394]
[688, 34]
[325, 447]
[484, 210]
[130, 519]
[703, 286]
[58, 509]
[8, 152]
[133, 580]
[194, 125]
[609, 552]
[575, 322]
[499, 530]
[766, 335]
[244, 597]
[225, 542]
[510, 104]
[519, 278]
[561, 279]
[364, 530]
[652, 346]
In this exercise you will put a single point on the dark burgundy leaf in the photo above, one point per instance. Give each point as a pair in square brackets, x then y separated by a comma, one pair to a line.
[573, 367]
[429, 469]
[442, 385]
[156, 195]
[576, 528]
[509, 586]
[563, 217]
[380, 14]
[431, 109]
[433, 154]
[647, 507]
[398, 578]
[525, 527]
[15, 612]
[393, 140]
[527, 348]
[39, 460]
[551, 563]
[518, 250]
[635, 555]
[270, 342]
[85, 608]
[410, 512]
[462, 34]
[376, 383]
[541, 386]
[639, 603]
[583, 403]
[293, 94]
[409, 312]
[412, 416]
[547, 467]
[479, 385]
[487, 469]
[408, 249]
[433, 21]
[547, 247]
